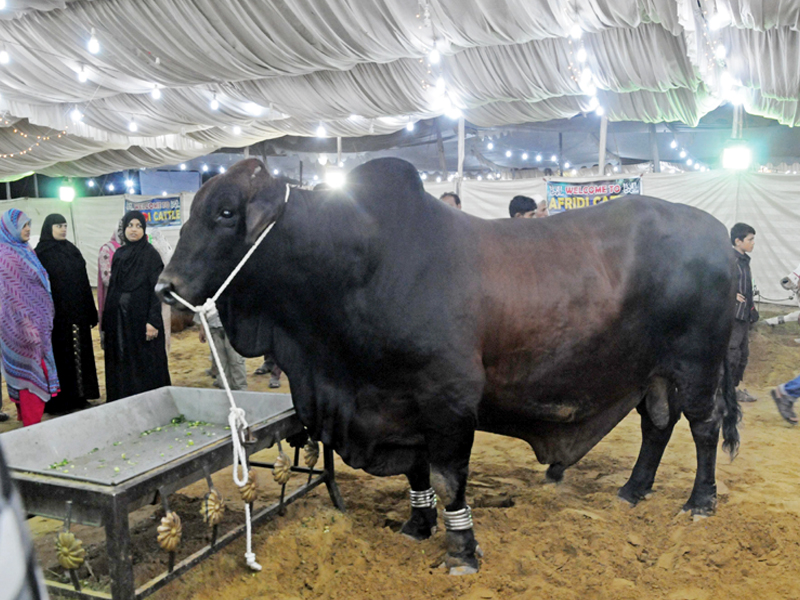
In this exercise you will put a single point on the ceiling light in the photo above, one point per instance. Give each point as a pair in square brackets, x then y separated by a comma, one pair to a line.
[93, 45]
[424, 176]
[554, 158]
[689, 162]
[214, 104]
[82, 77]
[321, 131]
[566, 165]
[673, 144]
[581, 55]
[222, 169]
[438, 179]
[131, 191]
[4, 58]
[736, 157]
[183, 167]
[66, 193]
[409, 126]
[508, 153]
[576, 32]
[76, 115]
[204, 168]
[696, 166]
[110, 187]
[128, 183]
[524, 156]
[490, 146]
[538, 158]
[90, 183]
[600, 111]
[453, 112]
[253, 109]
[334, 177]
[434, 56]
[682, 154]
[164, 193]
[237, 130]
[715, 22]
[720, 52]
[132, 126]
[155, 92]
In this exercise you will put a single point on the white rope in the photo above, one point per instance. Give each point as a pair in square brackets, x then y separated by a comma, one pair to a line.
[236, 417]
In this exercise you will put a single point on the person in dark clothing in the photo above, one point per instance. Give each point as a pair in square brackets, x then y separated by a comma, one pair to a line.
[75, 315]
[743, 240]
[136, 357]
[522, 207]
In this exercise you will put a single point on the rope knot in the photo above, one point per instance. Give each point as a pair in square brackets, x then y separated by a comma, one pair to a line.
[209, 308]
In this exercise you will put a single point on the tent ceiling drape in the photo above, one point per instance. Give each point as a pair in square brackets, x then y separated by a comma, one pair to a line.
[362, 68]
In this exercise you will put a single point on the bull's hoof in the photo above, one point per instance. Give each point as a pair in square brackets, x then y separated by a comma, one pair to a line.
[555, 473]
[462, 566]
[705, 508]
[463, 570]
[421, 525]
[631, 495]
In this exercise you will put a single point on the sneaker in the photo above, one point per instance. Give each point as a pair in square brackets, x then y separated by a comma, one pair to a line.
[745, 396]
[785, 405]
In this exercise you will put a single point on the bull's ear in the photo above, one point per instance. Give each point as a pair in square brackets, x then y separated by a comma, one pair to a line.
[262, 206]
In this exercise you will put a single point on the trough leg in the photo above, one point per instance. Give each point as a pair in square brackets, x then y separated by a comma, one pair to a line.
[330, 478]
[703, 500]
[118, 546]
[422, 523]
[654, 442]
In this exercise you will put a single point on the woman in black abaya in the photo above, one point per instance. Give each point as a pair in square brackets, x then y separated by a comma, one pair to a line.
[75, 315]
[136, 358]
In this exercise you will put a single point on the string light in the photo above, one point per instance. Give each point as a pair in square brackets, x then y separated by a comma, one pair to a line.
[673, 144]
[214, 104]
[155, 92]
[132, 126]
[524, 156]
[93, 45]
[40, 139]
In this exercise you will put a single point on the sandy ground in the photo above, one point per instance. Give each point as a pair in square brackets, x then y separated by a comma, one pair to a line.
[567, 541]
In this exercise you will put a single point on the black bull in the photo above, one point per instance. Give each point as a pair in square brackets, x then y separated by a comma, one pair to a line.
[405, 325]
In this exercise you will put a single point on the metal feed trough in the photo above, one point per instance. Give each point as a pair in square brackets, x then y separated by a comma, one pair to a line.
[96, 466]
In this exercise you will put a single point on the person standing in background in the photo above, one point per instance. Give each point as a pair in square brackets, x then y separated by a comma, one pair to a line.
[541, 207]
[26, 320]
[75, 315]
[451, 199]
[104, 258]
[135, 355]
[743, 241]
[522, 207]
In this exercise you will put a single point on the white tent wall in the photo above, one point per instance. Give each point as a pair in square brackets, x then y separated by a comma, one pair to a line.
[768, 202]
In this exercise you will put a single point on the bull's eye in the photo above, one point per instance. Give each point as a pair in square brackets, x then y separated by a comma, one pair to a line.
[226, 213]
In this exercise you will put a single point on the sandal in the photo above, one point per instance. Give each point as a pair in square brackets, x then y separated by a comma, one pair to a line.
[262, 370]
[785, 406]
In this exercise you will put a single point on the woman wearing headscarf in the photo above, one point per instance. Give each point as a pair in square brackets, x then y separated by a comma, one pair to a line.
[26, 320]
[104, 258]
[136, 359]
[75, 315]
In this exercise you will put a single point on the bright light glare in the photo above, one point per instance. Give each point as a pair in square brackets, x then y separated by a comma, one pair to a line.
[434, 56]
[576, 32]
[128, 183]
[581, 55]
[673, 144]
[600, 111]
[110, 187]
[222, 169]
[252, 108]
[321, 131]
[554, 158]
[720, 52]
[132, 126]
[66, 193]
[508, 153]
[237, 130]
[76, 115]
[409, 126]
[90, 183]
[4, 58]
[683, 154]
[214, 104]
[204, 168]
[736, 157]
[335, 178]
[93, 45]
[82, 75]
[689, 162]
[183, 166]
[490, 146]
[524, 156]
[538, 158]
[566, 165]
[155, 93]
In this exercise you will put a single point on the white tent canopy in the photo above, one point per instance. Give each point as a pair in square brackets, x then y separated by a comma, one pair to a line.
[365, 68]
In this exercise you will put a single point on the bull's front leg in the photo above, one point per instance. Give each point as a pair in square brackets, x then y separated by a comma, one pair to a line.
[449, 470]
[422, 523]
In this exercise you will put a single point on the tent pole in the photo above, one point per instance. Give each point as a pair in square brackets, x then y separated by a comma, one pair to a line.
[35, 185]
[338, 150]
[8, 190]
[460, 155]
[654, 149]
[560, 152]
[601, 159]
[440, 147]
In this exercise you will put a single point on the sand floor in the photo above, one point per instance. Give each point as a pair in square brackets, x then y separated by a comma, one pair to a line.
[572, 540]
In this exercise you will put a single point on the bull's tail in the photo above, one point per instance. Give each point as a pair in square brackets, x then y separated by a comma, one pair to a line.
[732, 413]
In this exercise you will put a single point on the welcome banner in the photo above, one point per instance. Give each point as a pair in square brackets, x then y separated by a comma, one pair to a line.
[159, 212]
[567, 195]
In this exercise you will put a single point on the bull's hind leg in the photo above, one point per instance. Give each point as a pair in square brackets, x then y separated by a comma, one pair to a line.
[654, 442]
[422, 523]
[705, 431]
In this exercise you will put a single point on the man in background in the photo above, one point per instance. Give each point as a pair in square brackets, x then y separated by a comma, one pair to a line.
[451, 199]
[541, 207]
[522, 207]
[743, 241]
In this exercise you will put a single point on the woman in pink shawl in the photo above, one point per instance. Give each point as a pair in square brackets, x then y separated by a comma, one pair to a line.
[104, 259]
[26, 320]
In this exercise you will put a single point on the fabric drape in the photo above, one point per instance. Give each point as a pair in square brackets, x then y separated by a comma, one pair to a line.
[104, 258]
[75, 315]
[26, 314]
[133, 364]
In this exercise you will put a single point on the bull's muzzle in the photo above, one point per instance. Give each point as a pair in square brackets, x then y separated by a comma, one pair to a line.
[164, 291]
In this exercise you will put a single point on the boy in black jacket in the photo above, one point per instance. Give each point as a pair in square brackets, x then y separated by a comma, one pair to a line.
[743, 240]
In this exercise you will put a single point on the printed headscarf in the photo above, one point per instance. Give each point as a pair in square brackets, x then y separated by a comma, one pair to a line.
[11, 224]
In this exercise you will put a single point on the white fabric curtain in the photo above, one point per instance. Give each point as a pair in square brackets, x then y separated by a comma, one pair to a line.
[360, 68]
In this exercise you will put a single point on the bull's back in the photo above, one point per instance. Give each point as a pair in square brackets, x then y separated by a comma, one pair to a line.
[580, 309]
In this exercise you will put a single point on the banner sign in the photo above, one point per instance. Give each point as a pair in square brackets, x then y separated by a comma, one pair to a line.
[566, 195]
[159, 212]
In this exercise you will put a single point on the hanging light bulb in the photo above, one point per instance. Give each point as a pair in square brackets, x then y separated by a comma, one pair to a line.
[683, 154]
[155, 93]
[554, 158]
[76, 115]
[490, 146]
[409, 126]
[673, 144]
[4, 57]
[93, 45]
[524, 156]
[321, 132]
[538, 158]
[82, 77]
[222, 169]
[508, 153]
[132, 126]
[581, 55]
[689, 162]
[214, 104]
[720, 52]
[110, 187]
[576, 32]
[566, 165]
[434, 56]
[90, 183]
[129, 183]
[183, 167]
[204, 168]
[600, 111]
[237, 130]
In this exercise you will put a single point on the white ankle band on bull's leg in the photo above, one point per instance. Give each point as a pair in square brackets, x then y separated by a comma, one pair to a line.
[424, 499]
[458, 520]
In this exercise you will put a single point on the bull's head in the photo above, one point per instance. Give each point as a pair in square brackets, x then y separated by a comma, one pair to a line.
[228, 214]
